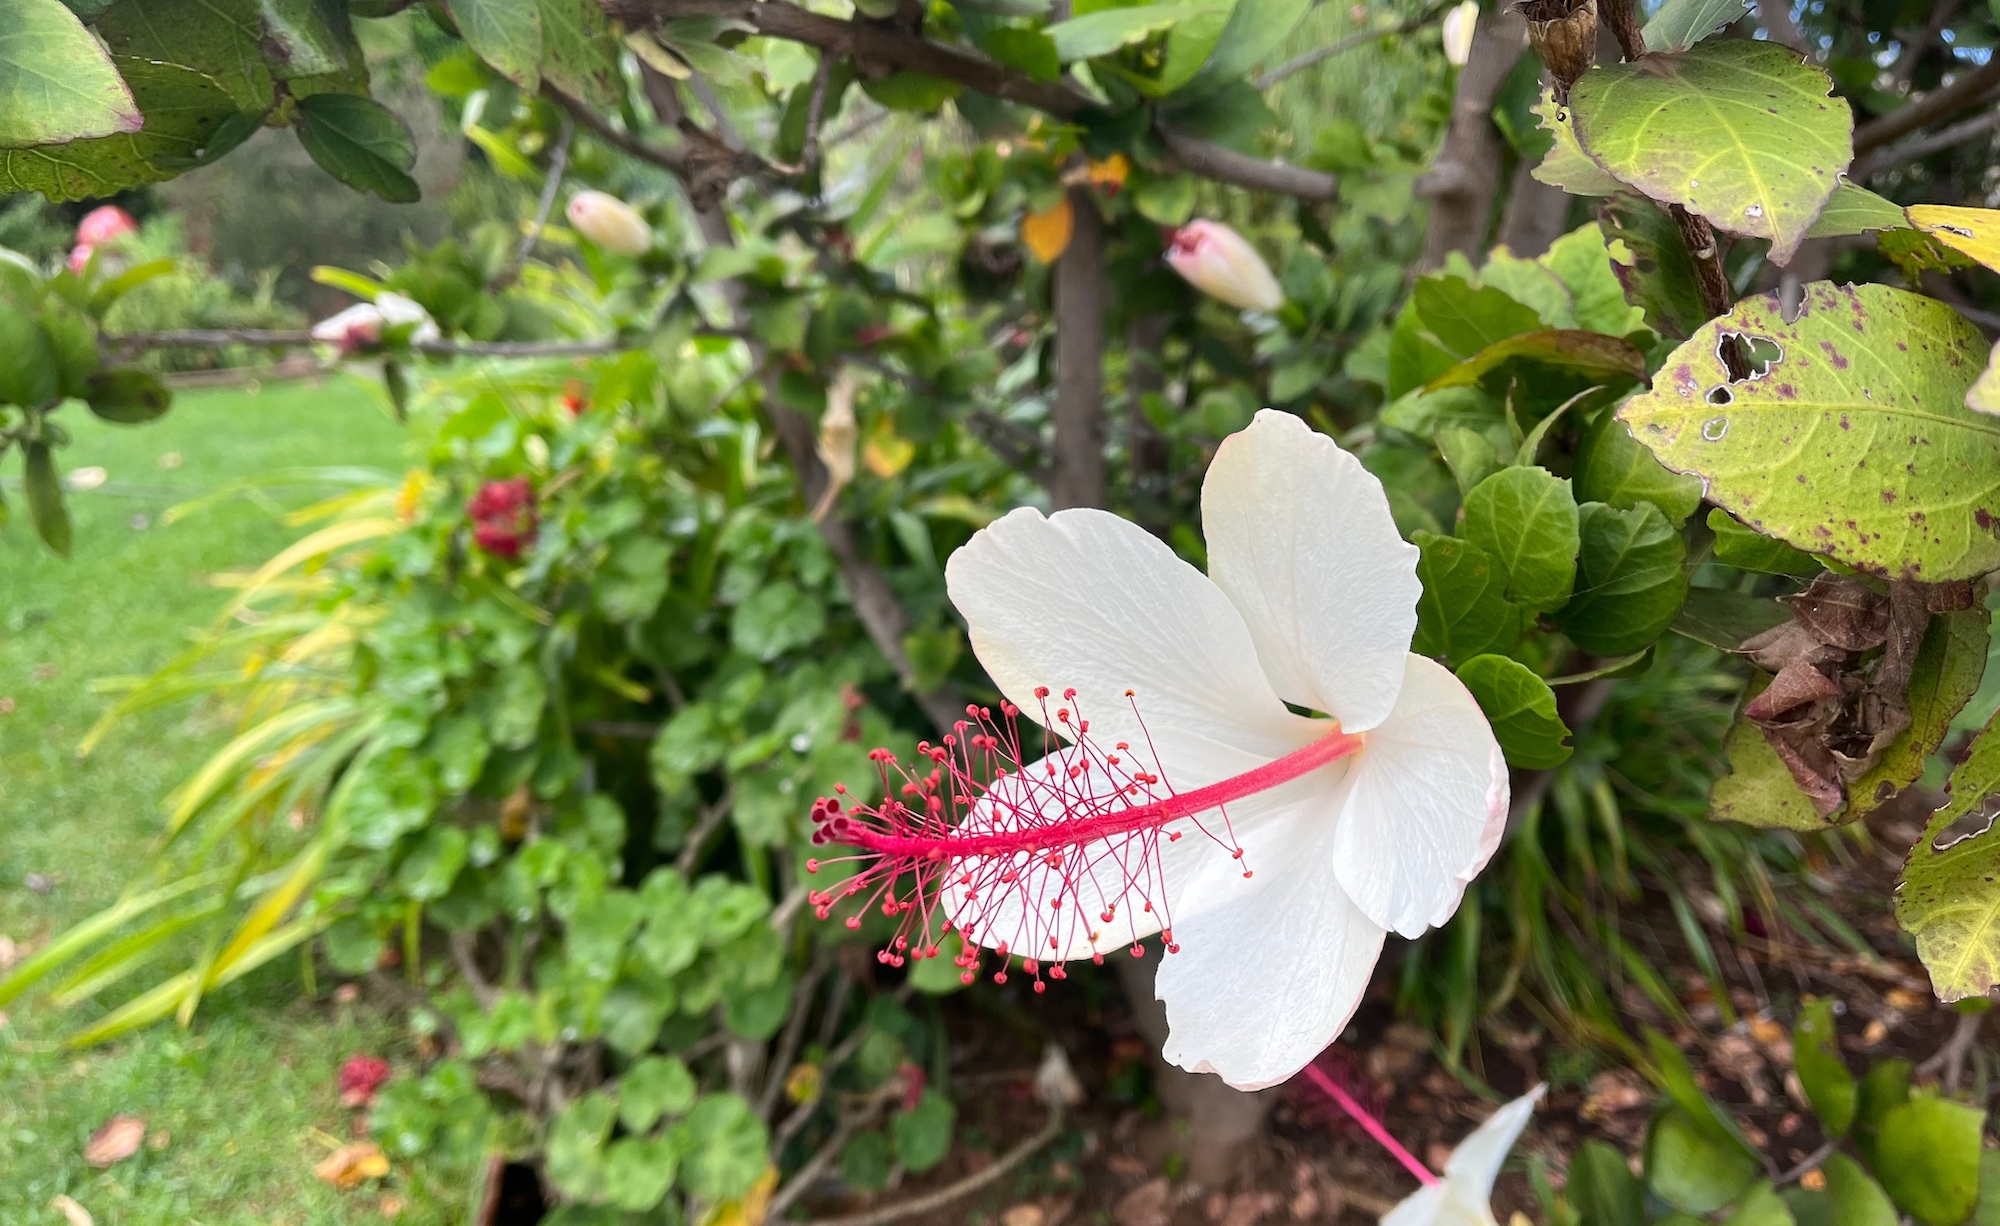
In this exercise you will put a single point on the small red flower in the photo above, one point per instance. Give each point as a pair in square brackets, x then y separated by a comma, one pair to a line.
[574, 398]
[359, 1078]
[503, 517]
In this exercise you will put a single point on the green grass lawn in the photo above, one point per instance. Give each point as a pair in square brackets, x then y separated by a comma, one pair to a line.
[243, 1101]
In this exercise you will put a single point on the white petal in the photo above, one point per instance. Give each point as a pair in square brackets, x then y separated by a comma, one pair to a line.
[1300, 537]
[1423, 804]
[1423, 1207]
[1125, 876]
[1475, 1164]
[1270, 969]
[1086, 600]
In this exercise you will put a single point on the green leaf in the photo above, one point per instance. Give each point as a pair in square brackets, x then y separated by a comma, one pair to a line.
[28, 372]
[1853, 209]
[725, 1150]
[1670, 1069]
[1656, 270]
[1882, 1087]
[1797, 453]
[653, 1087]
[1255, 29]
[1106, 30]
[1527, 520]
[1521, 708]
[1031, 51]
[923, 1133]
[1828, 1085]
[1857, 1199]
[1741, 132]
[507, 34]
[430, 868]
[1927, 1156]
[57, 84]
[1470, 454]
[1760, 1206]
[1463, 611]
[912, 91]
[1690, 1168]
[867, 1162]
[72, 345]
[1738, 546]
[45, 498]
[1681, 24]
[1606, 359]
[1759, 790]
[360, 142]
[1629, 579]
[128, 395]
[638, 1171]
[575, 1155]
[1613, 468]
[1949, 900]
[1583, 261]
[1603, 1189]
[518, 700]
[1566, 165]
[778, 618]
[1950, 662]
[1463, 320]
[633, 578]
[579, 55]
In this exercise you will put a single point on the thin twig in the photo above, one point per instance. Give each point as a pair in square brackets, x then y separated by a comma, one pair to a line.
[835, 1058]
[1918, 147]
[933, 1201]
[558, 166]
[815, 112]
[823, 1157]
[712, 817]
[1968, 89]
[266, 338]
[794, 1034]
[673, 161]
[1300, 63]
[465, 957]
[1951, 1057]
[1812, 1160]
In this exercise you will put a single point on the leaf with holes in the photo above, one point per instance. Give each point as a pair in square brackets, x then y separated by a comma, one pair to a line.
[1567, 166]
[1972, 232]
[1653, 266]
[56, 82]
[1743, 133]
[1853, 209]
[1854, 443]
[1522, 709]
[1681, 24]
[1949, 900]
[1629, 580]
[1948, 668]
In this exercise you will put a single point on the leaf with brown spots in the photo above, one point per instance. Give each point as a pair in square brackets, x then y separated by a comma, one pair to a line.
[1853, 442]
[1950, 897]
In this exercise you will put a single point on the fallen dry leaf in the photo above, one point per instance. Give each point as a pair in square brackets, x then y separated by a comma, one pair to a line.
[118, 1140]
[77, 1214]
[1145, 1205]
[1023, 1215]
[391, 1206]
[351, 1164]
[1906, 1000]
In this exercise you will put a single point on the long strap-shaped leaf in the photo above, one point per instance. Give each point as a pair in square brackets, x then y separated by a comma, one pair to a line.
[79, 938]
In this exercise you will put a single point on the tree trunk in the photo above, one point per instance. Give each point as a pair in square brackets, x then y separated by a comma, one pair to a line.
[1146, 375]
[1537, 214]
[1076, 478]
[1462, 182]
[1222, 1125]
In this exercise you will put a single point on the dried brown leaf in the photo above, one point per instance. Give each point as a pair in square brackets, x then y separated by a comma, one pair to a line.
[116, 1141]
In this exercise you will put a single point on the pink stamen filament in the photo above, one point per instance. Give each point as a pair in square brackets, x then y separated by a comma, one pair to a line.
[1329, 748]
[1372, 1126]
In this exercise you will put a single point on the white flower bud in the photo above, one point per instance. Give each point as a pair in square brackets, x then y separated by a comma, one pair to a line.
[1222, 264]
[361, 325]
[1458, 27]
[610, 223]
[1055, 1081]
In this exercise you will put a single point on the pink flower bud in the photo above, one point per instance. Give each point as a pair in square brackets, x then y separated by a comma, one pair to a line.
[1222, 264]
[610, 223]
[79, 258]
[101, 225]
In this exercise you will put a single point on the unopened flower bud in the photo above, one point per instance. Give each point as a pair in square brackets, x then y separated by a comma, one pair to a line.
[610, 223]
[79, 258]
[1564, 33]
[1222, 264]
[361, 325]
[101, 225]
[1459, 25]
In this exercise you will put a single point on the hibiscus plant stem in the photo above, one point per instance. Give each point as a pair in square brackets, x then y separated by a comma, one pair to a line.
[1372, 1126]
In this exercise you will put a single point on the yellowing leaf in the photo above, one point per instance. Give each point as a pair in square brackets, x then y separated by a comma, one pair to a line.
[1975, 232]
[1110, 173]
[351, 1164]
[751, 1210]
[886, 452]
[1047, 233]
[1566, 165]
